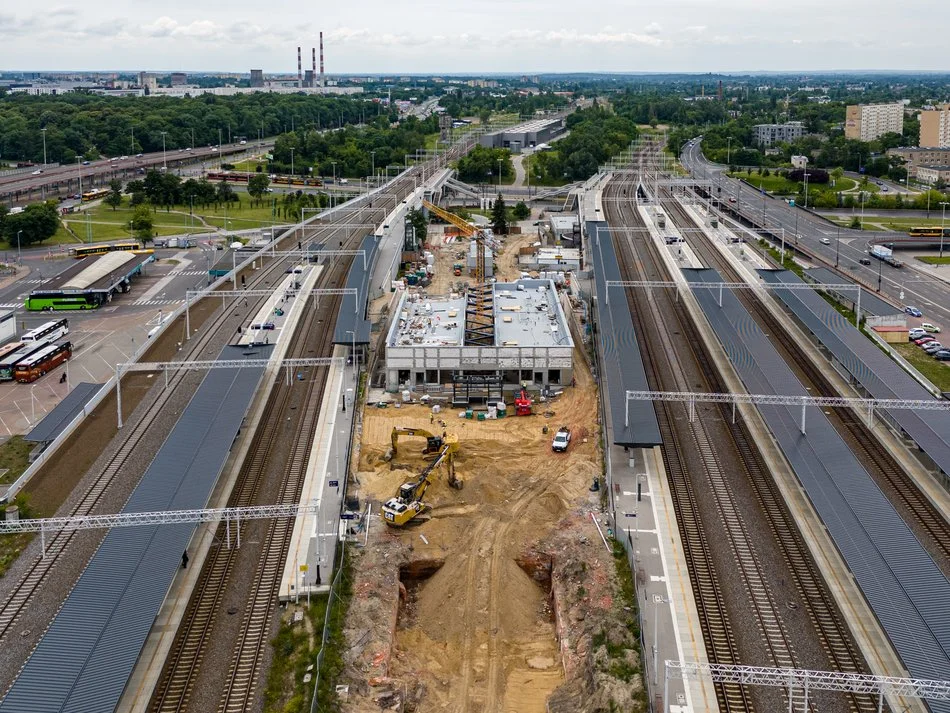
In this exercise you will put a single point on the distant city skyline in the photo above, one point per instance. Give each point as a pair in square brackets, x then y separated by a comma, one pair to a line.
[423, 36]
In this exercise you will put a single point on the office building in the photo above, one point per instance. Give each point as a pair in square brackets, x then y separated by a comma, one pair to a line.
[935, 127]
[866, 122]
[766, 135]
[917, 156]
[932, 174]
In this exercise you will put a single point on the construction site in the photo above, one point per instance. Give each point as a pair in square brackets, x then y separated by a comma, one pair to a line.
[486, 582]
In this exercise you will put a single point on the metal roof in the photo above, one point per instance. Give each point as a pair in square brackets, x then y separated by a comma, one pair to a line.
[96, 274]
[620, 352]
[85, 658]
[66, 410]
[106, 264]
[905, 588]
[352, 318]
[870, 303]
[872, 368]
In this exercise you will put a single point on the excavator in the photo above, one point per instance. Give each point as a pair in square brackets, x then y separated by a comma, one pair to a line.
[408, 503]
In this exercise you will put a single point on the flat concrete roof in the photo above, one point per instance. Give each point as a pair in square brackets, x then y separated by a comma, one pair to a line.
[527, 314]
[95, 274]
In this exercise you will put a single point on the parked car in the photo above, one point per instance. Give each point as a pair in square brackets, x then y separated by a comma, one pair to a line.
[916, 332]
[920, 341]
[942, 355]
[932, 347]
[913, 311]
[928, 327]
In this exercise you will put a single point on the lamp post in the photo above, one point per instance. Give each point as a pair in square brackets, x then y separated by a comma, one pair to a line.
[837, 244]
[373, 159]
[728, 150]
[79, 166]
[44, 147]
[943, 223]
[164, 162]
[499, 175]
[291, 160]
[18, 260]
[806, 188]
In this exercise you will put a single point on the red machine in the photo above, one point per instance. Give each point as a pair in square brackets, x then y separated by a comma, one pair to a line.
[522, 404]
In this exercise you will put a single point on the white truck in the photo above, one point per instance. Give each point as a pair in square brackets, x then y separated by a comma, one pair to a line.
[561, 440]
[885, 254]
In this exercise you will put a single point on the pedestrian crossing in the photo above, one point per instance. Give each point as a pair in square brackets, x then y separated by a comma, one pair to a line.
[155, 302]
[186, 273]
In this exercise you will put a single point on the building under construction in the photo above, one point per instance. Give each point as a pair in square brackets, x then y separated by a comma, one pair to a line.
[521, 336]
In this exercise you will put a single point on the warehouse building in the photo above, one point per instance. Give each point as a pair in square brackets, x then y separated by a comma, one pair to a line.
[526, 135]
[427, 347]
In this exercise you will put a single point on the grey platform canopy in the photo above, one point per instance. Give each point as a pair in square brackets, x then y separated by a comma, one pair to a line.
[882, 377]
[871, 304]
[906, 589]
[85, 658]
[620, 351]
[66, 410]
[353, 318]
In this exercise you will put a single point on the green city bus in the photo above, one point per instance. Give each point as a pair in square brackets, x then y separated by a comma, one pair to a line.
[55, 301]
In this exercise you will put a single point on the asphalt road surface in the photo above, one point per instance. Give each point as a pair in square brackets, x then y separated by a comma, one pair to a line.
[846, 248]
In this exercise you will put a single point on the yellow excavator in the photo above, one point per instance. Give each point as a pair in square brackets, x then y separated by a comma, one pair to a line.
[408, 503]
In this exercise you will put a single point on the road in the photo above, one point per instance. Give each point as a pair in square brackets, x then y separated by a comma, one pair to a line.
[846, 248]
[22, 188]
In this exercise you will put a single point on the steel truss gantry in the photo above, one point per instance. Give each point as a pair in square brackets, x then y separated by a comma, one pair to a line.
[805, 680]
[159, 517]
[869, 405]
[224, 294]
[170, 366]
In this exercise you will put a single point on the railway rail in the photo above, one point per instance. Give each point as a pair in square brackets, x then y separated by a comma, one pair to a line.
[930, 525]
[693, 463]
[41, 568]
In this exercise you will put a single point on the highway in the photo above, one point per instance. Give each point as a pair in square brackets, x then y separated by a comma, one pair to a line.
[846, 248]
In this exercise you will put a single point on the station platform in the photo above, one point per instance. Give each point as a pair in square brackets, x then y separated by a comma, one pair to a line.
[268, 323]
[312, 552]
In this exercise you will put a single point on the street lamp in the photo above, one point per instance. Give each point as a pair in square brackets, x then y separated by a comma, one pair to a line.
[44, 147]
[164, 162]
[943, 223]
[499, 175]
[728, 150]
[18, 260]
[373, 159]
[291, 160]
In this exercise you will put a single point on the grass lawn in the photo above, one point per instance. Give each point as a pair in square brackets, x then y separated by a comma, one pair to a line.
[528, 161]
[14, 458]
[907, 223]
[432, 141]
[844, 184]
[937, 371]
[934, 260]
[773, 184]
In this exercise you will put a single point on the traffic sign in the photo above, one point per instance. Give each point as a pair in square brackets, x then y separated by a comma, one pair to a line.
[304, 567]
[333, 483]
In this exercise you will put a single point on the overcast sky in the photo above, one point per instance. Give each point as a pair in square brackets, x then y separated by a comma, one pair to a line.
[429, 36]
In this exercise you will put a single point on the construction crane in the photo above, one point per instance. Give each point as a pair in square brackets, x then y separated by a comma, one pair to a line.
[408, 503]
[479, 304]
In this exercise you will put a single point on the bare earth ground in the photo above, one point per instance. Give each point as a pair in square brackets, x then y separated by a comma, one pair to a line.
[472, 624]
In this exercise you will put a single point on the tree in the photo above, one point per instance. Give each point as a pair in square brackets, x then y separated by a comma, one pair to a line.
[36, 223]
[521, 211]
[224, 193]
[419, 224]
[115, 193]
[142, 222]
[499, 216]
[257, 186]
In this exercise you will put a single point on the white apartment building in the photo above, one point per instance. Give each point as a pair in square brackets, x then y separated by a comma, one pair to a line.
[866, 122]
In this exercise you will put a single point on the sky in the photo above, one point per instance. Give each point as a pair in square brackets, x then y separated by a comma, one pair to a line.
[523, 36]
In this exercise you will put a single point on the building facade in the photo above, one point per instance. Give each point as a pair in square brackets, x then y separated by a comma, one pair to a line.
[932, 174]
[866, 122]
[179, 79]
[766, 135]
[426, 348]
[257, 78]
[916, 156]
[935, 127]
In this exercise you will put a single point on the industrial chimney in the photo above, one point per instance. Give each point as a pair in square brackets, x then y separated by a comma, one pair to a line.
[323, 79]
[299, 70]
[313, 75]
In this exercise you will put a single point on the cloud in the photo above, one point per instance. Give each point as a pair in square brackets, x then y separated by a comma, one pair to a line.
[654, 28]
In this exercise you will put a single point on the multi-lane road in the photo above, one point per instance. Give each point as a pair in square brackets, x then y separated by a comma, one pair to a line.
[843, 247]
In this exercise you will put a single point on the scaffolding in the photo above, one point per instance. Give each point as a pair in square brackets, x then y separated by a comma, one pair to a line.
[478, 387]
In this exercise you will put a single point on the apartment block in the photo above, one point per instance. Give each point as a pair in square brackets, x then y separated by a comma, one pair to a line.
[866, 122]
[767, 134]
[935, 127]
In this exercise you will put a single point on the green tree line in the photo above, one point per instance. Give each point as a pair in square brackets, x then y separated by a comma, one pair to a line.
[87, 125]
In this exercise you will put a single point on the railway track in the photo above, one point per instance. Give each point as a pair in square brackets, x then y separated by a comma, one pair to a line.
[932, 526]
[181, 672]
[704, 443]
[20, 596]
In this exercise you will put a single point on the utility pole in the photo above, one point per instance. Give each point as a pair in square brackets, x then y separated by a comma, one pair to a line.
[44, 147]
[164, 162]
